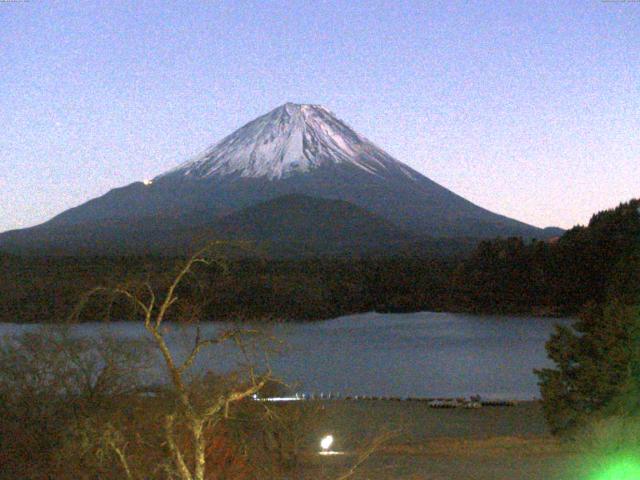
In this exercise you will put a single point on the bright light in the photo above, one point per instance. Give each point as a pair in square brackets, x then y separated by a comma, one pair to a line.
[620, 469]
[148, 182]
[326, 442]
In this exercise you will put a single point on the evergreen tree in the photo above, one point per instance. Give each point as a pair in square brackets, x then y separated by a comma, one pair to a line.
[597, 366]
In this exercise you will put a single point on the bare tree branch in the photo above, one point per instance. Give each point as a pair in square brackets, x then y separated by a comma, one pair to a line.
[367, 452]
[200, 344]
[183, 470]
[197, 416]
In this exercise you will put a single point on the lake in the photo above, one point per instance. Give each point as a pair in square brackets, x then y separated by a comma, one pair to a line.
[422, 354]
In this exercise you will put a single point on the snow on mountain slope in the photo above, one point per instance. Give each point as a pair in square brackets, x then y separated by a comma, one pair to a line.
[290, 139]
[292, 150]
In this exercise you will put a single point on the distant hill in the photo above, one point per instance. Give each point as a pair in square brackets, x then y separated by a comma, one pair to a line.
[303, 224]
[285, 227]
[288, 226]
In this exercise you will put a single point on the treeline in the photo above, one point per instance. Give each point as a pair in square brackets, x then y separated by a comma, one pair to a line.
[592, 393]
[48, 289]
[500, 276]
[588, 264]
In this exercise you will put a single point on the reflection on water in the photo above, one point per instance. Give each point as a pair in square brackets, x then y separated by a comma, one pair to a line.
[407, 355]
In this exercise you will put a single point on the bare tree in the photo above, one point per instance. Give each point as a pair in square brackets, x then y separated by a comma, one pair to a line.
[52, 381]
[196, 407]
[194, 411]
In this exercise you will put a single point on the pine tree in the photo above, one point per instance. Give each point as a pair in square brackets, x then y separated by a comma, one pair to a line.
[597, 367]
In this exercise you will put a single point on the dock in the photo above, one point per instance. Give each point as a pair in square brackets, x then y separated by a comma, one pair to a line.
[432, 402]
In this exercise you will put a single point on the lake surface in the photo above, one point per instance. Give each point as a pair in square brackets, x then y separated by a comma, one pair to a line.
[421, 354]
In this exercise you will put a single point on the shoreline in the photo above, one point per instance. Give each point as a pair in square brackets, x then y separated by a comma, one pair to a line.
[439, 444]
[274, 322]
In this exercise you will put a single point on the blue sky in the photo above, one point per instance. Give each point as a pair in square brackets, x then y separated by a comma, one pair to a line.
[530, 109]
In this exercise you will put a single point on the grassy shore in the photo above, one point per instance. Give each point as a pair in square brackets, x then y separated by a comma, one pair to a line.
[439, 444]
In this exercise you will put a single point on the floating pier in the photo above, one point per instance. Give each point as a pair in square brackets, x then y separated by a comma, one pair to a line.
[458, 402]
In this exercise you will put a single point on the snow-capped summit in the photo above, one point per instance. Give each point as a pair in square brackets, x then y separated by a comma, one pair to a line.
[262, 176]
[290, 139]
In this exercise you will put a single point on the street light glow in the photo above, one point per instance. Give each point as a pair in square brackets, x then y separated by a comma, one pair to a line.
[326, 442]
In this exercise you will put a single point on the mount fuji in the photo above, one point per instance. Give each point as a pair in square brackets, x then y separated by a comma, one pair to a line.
[294, 152]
